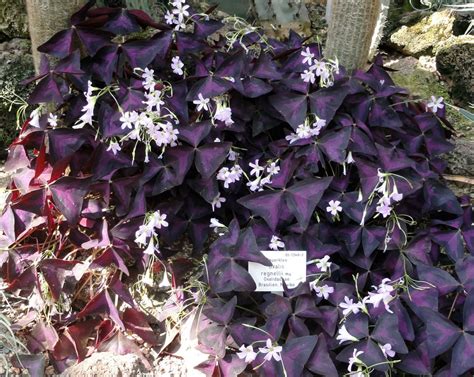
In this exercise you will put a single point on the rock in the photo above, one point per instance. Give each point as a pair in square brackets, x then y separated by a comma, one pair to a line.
[461, 163]
[456, 65]
[461, 159]
[16, 64]
[423, 37]
[106, 364]
[461, 23]
[13, 20]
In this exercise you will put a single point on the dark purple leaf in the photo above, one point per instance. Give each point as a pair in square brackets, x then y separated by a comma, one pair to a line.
[303, 197]
[442, 333]
[68, 195]
[441, 279]
[210, 157]
[295, 354]
[325, 102]
[266, 204]
[102, 304]
[463, 354]
[136, 322]
[387, 331]
[293, 107]
[320, 361]
[221, 314]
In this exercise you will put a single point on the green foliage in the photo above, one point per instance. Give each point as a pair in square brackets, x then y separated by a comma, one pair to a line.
[9, 343]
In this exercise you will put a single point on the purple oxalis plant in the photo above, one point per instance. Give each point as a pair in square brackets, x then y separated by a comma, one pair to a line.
[240, 144]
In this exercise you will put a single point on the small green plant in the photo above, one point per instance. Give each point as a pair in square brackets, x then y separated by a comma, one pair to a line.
[10, 345]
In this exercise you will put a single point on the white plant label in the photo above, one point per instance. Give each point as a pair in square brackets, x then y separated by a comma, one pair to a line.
[287, 265]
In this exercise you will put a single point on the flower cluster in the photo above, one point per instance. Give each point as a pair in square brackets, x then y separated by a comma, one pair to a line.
[178, 15]
[88, 109]
[263, 174]
[270, 351]
[307, 130]
[146, 234]
[230, 175]
[318, 68]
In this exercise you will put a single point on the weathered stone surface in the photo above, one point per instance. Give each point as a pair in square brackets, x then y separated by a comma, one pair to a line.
[16, 64]
[461, 163]
[106, 364]
[456, 65]
[461, 160]
[13, 20]
[427, 36]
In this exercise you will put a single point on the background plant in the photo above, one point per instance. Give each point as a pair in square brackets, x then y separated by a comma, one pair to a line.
[238, 144]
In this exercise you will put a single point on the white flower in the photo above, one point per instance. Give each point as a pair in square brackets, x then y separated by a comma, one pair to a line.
[177, 65]
[344, 336]
[350, 307]
[216, 224]
[114, 147]
[320, 68]
[169, 18]
[308, 56]
[148, 79]
[150, 250]
[177, 3]
[53, 120]
[382, 294]
[292, 138]
[224, 114]
[217, 202]
[303, 131]
[271, 351]
[233, 155]
[128, 119]
[276, 243]
[349, 158]
[142, 234]
[354, 359]
[323, 264]
[247, 353]
[256, 168]
[229, 175]
[435, 104]
[201, 102]
[384, 209]
[273, 169]
[334, 207]
[323, 291]
[308, 76]
[148, 280]
[395, 195]
[158, 220]
[165, 281]
[181, 11]
[153, 101]
[255, 185]
[148, 74]
[35, 117]
[88, 109]
[317, 127]
[387, 350]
